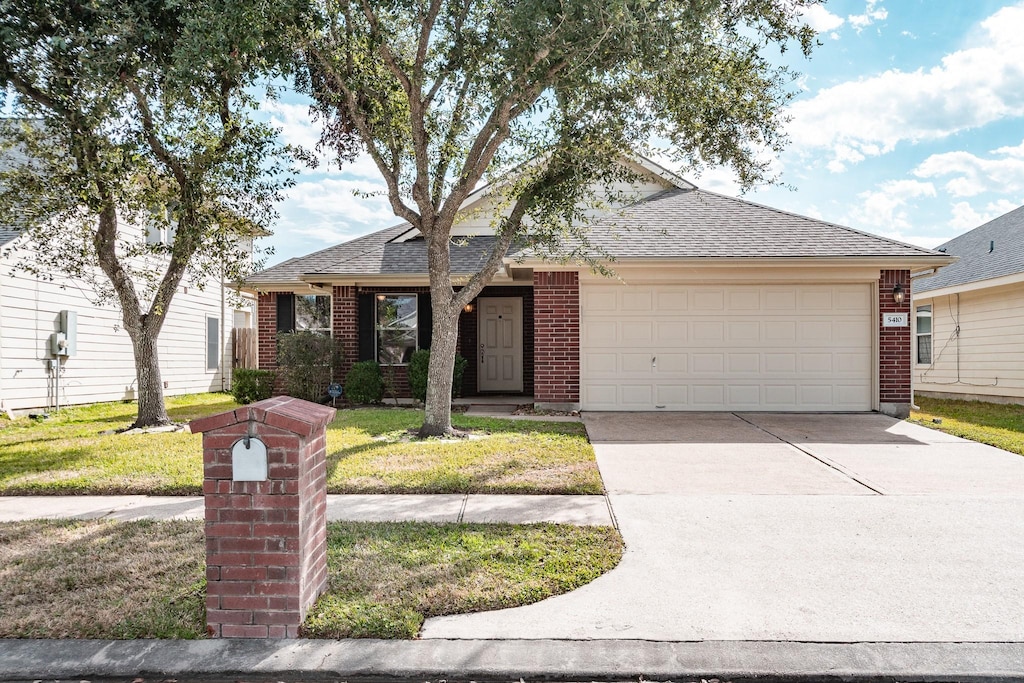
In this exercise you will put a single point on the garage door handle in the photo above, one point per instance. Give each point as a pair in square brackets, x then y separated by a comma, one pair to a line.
[654, 361]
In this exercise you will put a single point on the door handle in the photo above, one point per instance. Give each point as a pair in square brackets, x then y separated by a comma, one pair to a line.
[654, 361]
[482, 353]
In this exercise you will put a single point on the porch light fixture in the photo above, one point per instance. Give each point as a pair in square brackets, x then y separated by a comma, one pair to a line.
[381, 297]
[468, 308]
[898, 294]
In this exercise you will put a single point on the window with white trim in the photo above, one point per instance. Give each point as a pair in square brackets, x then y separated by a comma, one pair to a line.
[313, 313]
[924, 335]
[396, 328]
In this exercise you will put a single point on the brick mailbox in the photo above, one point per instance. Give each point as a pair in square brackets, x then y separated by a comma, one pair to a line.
[265, 488]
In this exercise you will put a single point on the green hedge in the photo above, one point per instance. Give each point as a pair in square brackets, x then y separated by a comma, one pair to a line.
[249, 385]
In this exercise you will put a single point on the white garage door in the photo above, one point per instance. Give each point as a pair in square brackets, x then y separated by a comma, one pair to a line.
[729, 347]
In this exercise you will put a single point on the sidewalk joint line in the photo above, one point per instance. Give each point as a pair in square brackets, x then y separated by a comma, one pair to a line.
[462, 509]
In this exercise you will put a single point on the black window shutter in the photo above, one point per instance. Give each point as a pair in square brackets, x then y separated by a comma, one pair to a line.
[285, 312]
[424, 319]
[366, 327]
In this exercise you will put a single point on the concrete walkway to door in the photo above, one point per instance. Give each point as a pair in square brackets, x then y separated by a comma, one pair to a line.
[784, 527]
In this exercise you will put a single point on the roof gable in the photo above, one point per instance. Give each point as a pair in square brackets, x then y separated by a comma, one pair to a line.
[995, 249]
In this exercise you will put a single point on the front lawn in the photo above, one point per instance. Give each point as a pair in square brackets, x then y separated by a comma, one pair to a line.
[997, 424]
[369, 450]
[99, 579]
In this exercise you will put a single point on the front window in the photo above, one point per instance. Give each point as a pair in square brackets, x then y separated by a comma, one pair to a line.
[924, 335]
[396, 328]
[313, 314]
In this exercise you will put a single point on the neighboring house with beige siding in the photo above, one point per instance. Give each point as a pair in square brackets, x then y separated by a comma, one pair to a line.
[969, 317]
[194, 345]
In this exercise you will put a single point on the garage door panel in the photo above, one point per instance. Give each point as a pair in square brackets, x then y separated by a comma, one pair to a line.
[707, 331]
[670, 333]
[713, 363]
[672, 396]
[739, 347]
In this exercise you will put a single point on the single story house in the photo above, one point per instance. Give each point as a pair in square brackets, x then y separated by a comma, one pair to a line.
[969, 317]
[717, 304]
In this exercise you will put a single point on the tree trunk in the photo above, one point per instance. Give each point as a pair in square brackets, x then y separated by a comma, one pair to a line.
[152, 411]
[438, 418]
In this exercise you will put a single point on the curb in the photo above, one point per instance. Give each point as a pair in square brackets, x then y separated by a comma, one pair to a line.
[590, 660]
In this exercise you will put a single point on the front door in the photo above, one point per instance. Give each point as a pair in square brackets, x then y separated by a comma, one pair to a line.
[500, 328]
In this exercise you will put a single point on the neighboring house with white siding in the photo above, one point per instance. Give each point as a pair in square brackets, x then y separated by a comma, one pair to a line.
[194, 345]
[969, 317]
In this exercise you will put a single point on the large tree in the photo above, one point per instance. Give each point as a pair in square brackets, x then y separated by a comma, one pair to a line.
[542, 97]
[136, 115]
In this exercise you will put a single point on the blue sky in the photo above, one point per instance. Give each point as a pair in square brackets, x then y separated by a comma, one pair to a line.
[909, 123]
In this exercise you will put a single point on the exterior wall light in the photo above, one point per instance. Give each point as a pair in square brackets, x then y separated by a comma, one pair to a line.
[898, 294]
[468, 308]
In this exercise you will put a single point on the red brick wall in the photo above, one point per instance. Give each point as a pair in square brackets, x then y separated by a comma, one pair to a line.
[266, 330]
[556, 305]
[345, 326]
[266, 541]
[893, 342]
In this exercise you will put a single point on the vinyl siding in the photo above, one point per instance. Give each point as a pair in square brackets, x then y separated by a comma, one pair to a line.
[990, 345]
[103, 369]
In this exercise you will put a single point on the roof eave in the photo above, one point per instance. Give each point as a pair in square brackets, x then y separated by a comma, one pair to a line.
[921, 262]
[1001, 281]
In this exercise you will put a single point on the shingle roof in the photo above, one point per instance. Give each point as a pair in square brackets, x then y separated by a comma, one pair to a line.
[682, 223]
[677, 223]
[1005, 237]
[7, 235]
[318, 262]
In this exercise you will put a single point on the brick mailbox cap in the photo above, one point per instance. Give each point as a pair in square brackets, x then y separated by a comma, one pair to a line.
[292, 414]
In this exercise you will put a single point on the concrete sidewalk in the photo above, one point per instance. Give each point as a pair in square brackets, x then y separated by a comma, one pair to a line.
[471, 508]
[509, 660]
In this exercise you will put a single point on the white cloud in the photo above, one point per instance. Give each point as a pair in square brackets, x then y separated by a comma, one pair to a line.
[885, 210]
[298, 128]
[966, 217]
[1002, 171]
[972, 87]
[873, 11]
[339, 198]
[820, 19]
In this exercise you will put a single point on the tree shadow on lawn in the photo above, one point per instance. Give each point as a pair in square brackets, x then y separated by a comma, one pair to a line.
[98, 579]
[17, 464]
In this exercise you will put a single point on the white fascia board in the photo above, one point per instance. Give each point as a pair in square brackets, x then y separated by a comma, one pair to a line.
[1014, 279]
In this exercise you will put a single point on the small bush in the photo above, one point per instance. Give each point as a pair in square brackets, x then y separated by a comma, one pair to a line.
[249, 386]
[363, 383]
[419, 369]
[306, 361]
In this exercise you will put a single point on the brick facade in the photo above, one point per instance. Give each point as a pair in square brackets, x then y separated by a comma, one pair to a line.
[556, 302]
[266, 330]
[345, 327]
[266, 541]
[894, 361]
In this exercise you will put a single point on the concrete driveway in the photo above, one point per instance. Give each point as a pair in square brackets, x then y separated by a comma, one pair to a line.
[823, 528]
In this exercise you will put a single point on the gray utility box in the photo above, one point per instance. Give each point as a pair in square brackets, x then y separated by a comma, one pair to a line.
[65, 342]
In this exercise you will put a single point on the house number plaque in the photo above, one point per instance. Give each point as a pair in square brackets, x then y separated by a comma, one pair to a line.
[894, 320]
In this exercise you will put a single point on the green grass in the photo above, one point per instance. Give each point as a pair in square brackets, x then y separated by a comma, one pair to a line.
[66, 454]
[101, 579]
[996, 424]
[368, 451]
[385, 579]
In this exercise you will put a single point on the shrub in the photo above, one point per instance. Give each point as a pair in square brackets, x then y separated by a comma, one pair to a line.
[306, 361]
[363, 383]
[249, 385]
[418, 370]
